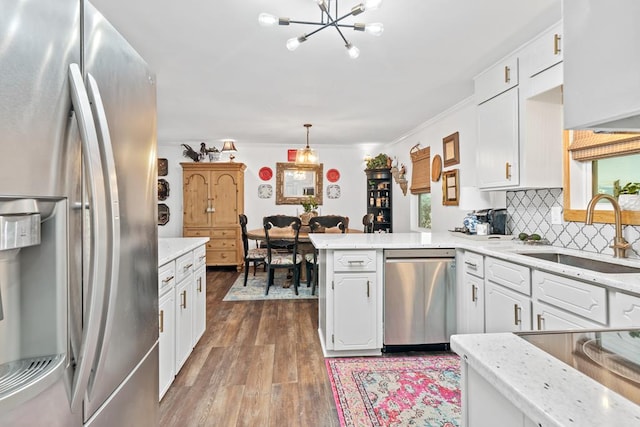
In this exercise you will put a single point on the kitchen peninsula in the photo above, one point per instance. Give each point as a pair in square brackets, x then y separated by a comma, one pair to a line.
[548, 296]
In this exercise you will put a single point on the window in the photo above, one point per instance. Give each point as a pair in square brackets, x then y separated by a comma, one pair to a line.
[424, 210]
[606, 171]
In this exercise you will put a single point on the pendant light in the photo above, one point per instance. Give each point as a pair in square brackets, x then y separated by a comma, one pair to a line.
[307, 156]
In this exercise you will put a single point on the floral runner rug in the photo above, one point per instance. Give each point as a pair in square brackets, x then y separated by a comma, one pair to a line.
[257, 284]
[397, 391]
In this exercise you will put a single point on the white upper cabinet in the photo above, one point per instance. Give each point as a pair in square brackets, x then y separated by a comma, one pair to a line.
[545, 51]
[601, 63]
[497, 79]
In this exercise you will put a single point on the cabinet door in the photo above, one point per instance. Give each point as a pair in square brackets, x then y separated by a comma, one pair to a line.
[506, 310]
[549, 318]
[167, 341]
[497, 154]
[199, 304]
[354, 311]
[472, 313]
[625, 310]
[184, 320]
[497, 79]
[224, 195]
[601, 93]
[545, 51]
[196, 199]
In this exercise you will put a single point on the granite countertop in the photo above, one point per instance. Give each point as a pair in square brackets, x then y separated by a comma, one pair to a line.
[509, 250]
[545, 389]
[170, 248]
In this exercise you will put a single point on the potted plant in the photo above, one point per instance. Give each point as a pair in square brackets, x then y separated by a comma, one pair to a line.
[309, 205]
[628, 196]
[381, 161]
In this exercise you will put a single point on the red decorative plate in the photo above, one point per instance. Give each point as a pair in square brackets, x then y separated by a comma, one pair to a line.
[265, 173]
[333, 175]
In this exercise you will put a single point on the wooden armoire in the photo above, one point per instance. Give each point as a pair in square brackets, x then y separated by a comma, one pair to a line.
[213, 197]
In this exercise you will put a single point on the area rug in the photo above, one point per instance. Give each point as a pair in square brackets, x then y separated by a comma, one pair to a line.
[397, 391]
[256, 285]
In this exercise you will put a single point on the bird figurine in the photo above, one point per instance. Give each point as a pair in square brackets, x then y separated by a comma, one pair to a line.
[191, 153]
[203, 150]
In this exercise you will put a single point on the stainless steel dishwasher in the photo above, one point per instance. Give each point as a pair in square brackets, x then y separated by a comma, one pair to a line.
[419, 297]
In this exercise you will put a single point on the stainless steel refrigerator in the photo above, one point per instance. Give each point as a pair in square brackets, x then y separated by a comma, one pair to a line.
[78, 236]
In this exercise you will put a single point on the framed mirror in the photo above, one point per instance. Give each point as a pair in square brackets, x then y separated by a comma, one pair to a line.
[578, 187]
[294, 183]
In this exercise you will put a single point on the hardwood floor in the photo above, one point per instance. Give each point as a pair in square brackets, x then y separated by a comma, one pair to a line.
[259, 363]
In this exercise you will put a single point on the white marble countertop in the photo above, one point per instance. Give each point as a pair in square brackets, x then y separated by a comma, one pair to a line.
[509, 250]
[545, 389]
[170, 248]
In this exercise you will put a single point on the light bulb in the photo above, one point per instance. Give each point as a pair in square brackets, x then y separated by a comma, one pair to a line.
[267, 19]
[375, 29]
[352, 51]
[372, 4]
[293, 43]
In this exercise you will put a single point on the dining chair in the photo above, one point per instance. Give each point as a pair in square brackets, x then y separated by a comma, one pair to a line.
[367, 221]
[256, 256]
[319, 224]
[276, 259]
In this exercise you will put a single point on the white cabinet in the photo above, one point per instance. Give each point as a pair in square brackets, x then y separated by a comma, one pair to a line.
[199, 294]
[601, 62]
[184, 320]
[498, 125]
[167, 339]
[471, 294]
[544, 51]
[505, 273]
[624, 310]
[354, 309]
[350, 302]
[483, 405]
[506, 310]
[549, 318]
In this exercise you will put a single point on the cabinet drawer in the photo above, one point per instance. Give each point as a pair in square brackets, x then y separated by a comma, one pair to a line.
[576, 297]
[222, 244]
[514, 276]
[354, 260]
[474, 264]
[196, 232]
[166, 277]
[224, 233]
[184, 266]
[199, 256]
[222, 257]
[549, 318]
[497, 79]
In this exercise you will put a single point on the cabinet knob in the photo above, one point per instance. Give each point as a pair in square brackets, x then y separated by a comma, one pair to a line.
[517, 311]
[161, 321]
[167, 280]
[474, 293]
[183, 304]
[507, 74]
[508, 170]
[540, 322]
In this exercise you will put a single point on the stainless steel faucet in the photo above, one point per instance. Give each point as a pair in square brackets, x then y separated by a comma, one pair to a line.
[620, 245]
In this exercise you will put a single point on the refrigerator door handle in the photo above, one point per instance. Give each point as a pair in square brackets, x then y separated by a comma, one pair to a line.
[113, 214]
[99, 246]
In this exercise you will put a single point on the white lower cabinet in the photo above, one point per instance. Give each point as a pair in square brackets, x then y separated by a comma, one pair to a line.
[550, 318]
[624, 310]
[354, 309]
[167, 339]
[506, 310]
[484, 406]
[471, 315]
[184, 320]
[199, 304]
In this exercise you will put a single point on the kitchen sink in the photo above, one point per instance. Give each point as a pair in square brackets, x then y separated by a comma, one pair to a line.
[580, 262]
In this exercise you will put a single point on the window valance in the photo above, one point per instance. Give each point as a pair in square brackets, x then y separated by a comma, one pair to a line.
[588, 146]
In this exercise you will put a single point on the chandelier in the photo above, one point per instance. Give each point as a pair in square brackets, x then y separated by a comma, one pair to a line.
[307, 156]
[329, 18]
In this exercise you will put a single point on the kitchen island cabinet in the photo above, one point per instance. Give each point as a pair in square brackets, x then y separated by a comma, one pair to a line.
[182, 303]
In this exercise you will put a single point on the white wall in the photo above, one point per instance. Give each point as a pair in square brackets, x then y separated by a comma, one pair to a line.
[349, 161]
[460, 118]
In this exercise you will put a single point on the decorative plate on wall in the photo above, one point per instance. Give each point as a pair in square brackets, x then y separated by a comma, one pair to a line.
[333, 175]
[163, 167]
[265, 191]
[163, 189]
[436, 168]
[333, 191]
[163, 214]
[265, 173]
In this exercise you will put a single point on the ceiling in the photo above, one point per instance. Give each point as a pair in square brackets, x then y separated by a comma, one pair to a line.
[221, 75]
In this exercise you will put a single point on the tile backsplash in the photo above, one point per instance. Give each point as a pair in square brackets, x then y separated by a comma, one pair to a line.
[529, 211]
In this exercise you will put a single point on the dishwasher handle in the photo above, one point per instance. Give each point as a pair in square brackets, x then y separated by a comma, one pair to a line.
[417, 260]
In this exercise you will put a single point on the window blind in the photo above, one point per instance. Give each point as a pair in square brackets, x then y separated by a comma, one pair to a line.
[421, 170]
[588, 146]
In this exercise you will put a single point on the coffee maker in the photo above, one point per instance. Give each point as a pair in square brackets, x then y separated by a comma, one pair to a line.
[497, 219]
